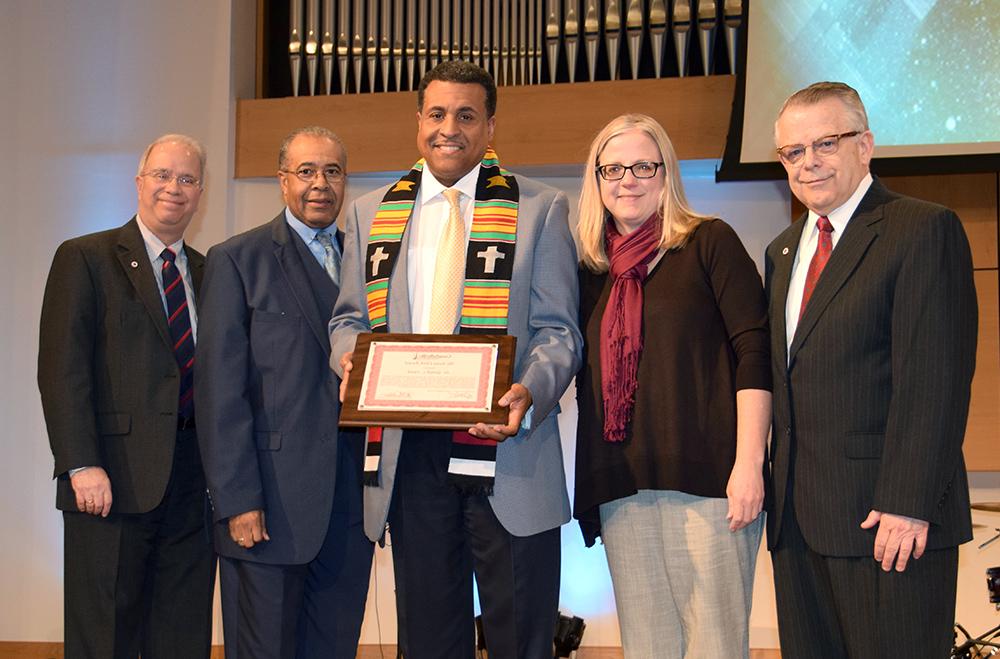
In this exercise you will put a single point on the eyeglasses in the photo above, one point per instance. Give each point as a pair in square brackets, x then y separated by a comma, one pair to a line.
[824, 146]
[164, 177]
[308, 174]
[616, 172]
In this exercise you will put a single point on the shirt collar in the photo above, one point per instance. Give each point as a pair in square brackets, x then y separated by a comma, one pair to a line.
[839, 217]
[155, 246]
[430, 187]
[306, 232]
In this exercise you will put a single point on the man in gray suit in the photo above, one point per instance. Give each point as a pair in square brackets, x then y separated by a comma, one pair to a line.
[448, 517]
[283, 481]
[873, 320]
[115, 368]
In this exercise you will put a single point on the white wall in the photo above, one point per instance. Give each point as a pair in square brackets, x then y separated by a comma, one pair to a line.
[86, 85]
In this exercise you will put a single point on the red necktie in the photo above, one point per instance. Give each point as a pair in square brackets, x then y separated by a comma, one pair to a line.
[819, 259]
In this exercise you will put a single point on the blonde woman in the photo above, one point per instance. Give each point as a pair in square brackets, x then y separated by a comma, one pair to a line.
[674, 400]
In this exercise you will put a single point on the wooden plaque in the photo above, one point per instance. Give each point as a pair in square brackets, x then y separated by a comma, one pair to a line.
[428, 380]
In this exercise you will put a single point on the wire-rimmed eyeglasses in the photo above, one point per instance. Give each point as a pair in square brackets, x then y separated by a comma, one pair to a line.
[307, 174]
[824, 146]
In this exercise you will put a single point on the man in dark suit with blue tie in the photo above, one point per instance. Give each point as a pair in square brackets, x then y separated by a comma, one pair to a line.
[283, 482]
[873, 319]
[115, 367]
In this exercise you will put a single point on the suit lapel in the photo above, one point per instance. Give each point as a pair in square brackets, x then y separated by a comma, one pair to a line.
[844, 260]
[784, 256]
[196, 266]
[292, 266]
[134, 260]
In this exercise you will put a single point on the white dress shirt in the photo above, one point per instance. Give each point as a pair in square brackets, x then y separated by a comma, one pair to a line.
[807, 247]
[430, 215]
[155, 247]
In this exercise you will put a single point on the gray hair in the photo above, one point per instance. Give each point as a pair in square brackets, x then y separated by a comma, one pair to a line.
[177, 138]
[315, 131]
[821, 91]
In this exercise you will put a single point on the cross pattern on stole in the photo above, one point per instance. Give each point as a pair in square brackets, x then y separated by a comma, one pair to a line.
[377, 257]
[490, 256]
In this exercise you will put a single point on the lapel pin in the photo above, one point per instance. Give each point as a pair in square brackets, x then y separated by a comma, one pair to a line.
[135, 264]
[785, 251]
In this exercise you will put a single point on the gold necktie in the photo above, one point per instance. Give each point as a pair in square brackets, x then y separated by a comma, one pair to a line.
[449, 271]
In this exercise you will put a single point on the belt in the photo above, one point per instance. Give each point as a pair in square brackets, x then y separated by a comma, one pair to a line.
[185, 423]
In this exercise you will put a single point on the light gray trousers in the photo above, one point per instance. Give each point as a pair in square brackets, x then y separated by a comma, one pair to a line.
[683, 581]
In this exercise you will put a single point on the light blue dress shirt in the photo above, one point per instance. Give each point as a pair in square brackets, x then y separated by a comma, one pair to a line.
[308, 236]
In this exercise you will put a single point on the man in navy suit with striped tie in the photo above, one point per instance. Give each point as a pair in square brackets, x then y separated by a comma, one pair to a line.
[873, 328]
[115, 370]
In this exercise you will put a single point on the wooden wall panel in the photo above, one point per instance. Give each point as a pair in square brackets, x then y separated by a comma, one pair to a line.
[536, 125]
[982, 435]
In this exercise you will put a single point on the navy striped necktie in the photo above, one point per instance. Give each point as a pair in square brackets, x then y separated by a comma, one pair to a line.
[179, 322]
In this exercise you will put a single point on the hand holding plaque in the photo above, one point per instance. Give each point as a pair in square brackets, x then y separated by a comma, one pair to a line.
[430, 381]
[517, 400]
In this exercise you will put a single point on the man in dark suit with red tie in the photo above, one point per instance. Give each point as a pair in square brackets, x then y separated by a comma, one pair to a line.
[115, 371]
[873, 319]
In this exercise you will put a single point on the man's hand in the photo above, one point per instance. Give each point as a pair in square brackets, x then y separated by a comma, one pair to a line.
[247, 529]
[346, 363]
[897, 539]
[93, 491]
[745, 493]
[517, 400]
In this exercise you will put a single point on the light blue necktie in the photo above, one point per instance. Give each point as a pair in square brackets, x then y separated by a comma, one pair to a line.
[332, 260]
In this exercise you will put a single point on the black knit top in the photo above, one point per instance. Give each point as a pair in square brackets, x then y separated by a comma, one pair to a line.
[704, 337]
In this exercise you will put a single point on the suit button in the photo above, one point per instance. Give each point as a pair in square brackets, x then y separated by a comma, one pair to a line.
[788, 430]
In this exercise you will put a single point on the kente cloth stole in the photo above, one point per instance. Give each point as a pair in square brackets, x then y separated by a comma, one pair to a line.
[489, 265]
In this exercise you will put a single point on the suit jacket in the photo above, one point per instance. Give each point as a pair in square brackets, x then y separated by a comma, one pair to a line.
[266, 399]
[106, 368]
[872, 396]
[530, 487]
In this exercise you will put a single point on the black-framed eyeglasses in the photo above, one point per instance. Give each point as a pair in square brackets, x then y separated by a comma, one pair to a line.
[307, 174]
[164, 177]
[616, 171]
[824, 146]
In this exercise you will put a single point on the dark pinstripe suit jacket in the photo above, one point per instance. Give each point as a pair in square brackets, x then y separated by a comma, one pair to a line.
[106, 367]
[872, 396]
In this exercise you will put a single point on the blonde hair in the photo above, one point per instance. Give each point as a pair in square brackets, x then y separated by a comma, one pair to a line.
[679, 221]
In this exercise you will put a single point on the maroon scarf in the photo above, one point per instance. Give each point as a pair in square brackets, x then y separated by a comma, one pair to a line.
[621, 325]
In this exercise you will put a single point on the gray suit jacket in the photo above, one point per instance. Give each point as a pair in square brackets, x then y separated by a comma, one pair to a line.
[530, 490]
[266, 399]
[871, 398]
[106, 368]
